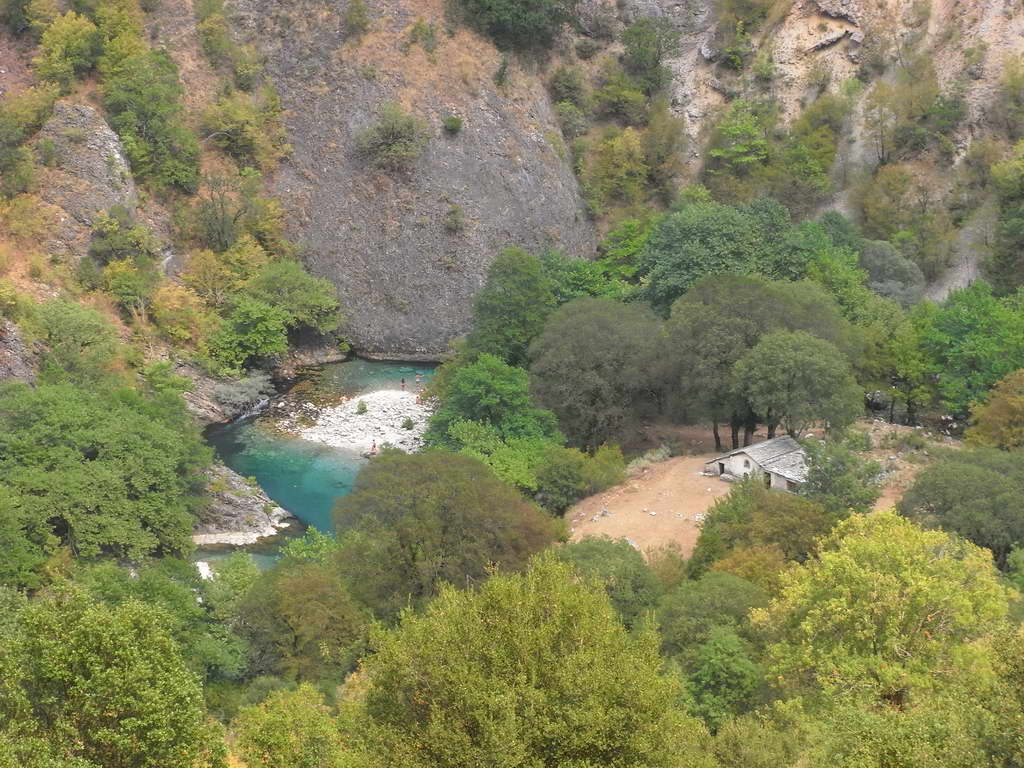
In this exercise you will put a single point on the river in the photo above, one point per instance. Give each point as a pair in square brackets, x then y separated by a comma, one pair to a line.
[304, 477]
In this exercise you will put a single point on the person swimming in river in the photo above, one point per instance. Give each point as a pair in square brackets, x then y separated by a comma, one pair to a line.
[403, 383]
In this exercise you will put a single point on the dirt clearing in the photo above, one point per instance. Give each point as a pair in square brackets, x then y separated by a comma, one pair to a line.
[662, 504]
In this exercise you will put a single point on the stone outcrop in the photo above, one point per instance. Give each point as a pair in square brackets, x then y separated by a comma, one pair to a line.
[238, 513]
[405, 279]
[17, 358]
[89, 174]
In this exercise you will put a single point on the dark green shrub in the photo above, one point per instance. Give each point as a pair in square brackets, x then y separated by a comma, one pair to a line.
[500, 76]
[573, 120]
[648, 43]
[566, 84]
[455, 220]
[408, 423]
[395, 141]
[361, 407]
[452, 124]
[424, 34]
[356, 18]
[619, 97]
[521, 24]
[587, 48]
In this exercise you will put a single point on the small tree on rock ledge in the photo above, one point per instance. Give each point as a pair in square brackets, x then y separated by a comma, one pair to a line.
[395, 141]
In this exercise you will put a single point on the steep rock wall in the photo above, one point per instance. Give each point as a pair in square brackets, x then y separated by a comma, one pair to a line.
[405, 281]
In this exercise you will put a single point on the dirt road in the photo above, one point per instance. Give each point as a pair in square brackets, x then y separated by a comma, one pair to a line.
[660, 505]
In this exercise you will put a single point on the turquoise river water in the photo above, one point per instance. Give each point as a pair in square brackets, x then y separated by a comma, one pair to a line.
[306, 478]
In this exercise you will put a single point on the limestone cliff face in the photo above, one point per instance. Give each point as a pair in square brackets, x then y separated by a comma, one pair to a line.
[18, 359]
[89, 174]
[405, 280]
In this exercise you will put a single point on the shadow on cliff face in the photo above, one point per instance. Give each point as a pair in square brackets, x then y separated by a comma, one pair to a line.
[405, 279]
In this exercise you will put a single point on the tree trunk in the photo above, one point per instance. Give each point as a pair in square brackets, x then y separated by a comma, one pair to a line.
[892, 409]
[734, 429]
[718, 437]
[748, 433]
[771, 429]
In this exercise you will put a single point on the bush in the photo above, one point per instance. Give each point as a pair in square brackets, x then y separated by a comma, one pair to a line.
[425, 34]
[566, 84]
[618, 96]
[648, 43]
[248, 128]
[617, 173]
[573, 120]
[67, 50]
[408, 423]
[253, 329]
[361, 407]
[587, 48]
[356, 18]
[519, 24]
[215, 39]
[242, 393]
[452, 124]
[247, 64]
[117, 237]
[395, 141]
[455, 220]
[142, 96]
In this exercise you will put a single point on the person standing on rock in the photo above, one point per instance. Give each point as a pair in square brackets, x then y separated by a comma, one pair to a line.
[403, 383]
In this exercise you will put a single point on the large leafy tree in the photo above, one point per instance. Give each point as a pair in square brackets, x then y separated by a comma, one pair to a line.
[491, 393]
[793, 379]
[594, 360]
[719, 320]
[886, 612]
[101, 685]
[532, 669]
[974, 340]
[290, 729]
[620, 568]
[109, 472]
[511, 308]
[977, 494]
[414, 522]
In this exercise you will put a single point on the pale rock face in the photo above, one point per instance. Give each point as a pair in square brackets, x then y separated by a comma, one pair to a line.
[406, 282]
[17, 358]
[90, 175]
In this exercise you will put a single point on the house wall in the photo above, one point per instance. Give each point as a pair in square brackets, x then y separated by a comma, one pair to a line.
[779, 483]
[739, 465]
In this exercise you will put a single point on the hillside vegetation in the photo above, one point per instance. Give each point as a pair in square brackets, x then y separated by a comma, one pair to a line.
[759, 216]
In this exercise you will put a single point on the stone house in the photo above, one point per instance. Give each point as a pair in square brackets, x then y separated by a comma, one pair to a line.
[781, 462]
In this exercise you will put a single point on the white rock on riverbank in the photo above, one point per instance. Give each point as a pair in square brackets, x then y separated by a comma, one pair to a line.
[343, 427]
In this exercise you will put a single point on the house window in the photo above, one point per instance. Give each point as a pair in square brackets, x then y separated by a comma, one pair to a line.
[746, 463]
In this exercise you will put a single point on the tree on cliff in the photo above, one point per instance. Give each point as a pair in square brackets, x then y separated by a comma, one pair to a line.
[520, 23]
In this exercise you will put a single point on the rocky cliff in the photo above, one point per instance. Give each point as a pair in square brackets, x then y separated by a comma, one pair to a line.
[18, 359]
[406, 280]
[86, 174]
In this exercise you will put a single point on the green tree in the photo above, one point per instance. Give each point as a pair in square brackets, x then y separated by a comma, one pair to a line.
[522, 24]
[718, 320]
[689, 615]
[142, 95]
[253, 329]
[289, 729]
[621, 570]
[207, 647]
[977, 494]
[792, 379]
[68, 49]
[648, 43]
[723, 678]
[886, 612]
[414, 522]
[999, 421]
[309, 301]
[26, 541]
[591, 365]
[974, 340]
[494, 394]
[838, 479]
[111, 472]
[511, 308]
[507, 674]
[100, 684]
[81, 343]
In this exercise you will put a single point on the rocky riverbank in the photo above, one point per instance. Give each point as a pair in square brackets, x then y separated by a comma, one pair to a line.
[239, 513]
[343, 426]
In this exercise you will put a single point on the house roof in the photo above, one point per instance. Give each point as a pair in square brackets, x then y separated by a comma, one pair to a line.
[781, 455]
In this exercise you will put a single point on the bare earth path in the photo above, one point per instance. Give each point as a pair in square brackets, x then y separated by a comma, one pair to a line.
[673, 490]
